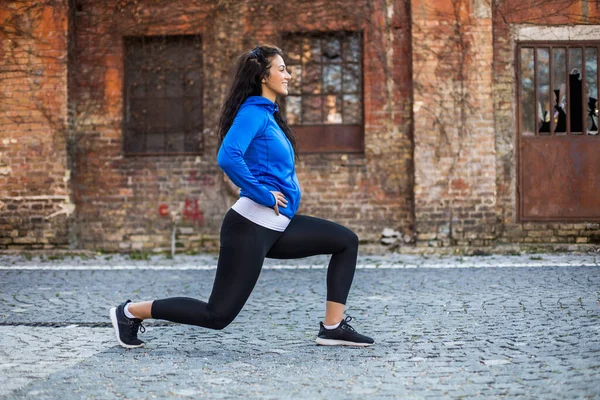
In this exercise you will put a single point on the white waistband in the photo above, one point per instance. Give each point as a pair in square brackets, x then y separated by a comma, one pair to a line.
[261, 215]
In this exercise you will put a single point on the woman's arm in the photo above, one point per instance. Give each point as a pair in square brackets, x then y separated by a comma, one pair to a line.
[246, 125]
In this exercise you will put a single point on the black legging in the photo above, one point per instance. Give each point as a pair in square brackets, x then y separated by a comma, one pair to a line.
[244, 246]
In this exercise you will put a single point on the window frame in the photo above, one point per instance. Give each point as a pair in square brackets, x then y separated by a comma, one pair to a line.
[566, 44]
[318, 138]
[196, 134]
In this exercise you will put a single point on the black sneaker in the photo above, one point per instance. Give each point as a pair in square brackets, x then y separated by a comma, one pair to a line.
[343, 335]
[126, 329]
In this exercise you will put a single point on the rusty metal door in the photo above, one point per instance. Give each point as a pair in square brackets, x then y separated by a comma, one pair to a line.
[558, 141]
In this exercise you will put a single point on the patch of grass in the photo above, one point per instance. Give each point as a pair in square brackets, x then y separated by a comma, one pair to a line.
[139, 255]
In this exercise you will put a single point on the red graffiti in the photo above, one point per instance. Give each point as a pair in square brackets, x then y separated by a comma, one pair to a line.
[191, 211]
[163, 210]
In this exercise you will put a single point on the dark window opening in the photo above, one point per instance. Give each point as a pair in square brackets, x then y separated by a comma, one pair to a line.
[162, 113]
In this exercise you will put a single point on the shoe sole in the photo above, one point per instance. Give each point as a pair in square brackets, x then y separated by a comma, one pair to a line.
[334, 342]
[115, 324]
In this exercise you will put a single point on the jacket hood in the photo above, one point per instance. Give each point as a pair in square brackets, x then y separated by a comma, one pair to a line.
[261, 101]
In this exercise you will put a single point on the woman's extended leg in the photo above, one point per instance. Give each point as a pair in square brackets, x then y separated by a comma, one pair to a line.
[243, 249]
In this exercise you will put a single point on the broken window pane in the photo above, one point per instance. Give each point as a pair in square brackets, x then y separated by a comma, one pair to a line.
[293, 51]
[311, 50]
[575, 91]
[333, 109]
[591, 90]
[332, 50]
[351, 78]
[293, 109]
[528, 109]
[351, 48]
[543, 75]
[332, 78]
[296, 81]
[352, 109]
[311, 110]
[311, 78]
[559, 91]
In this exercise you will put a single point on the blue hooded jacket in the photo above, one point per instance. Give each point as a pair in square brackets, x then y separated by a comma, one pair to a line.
[258, 157]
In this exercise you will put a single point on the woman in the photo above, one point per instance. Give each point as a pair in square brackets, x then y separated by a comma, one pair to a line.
[257, 152]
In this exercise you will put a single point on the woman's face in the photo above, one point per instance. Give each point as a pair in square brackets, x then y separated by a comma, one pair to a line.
[277, 82]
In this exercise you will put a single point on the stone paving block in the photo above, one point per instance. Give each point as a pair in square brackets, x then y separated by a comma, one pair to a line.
[435, 329]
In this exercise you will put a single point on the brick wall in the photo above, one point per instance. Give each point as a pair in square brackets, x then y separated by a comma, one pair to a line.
[439, 164]
[120, 199]
[455, 189]
[34, 177]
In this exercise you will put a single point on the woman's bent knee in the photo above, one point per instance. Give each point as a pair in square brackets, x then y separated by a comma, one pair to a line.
[352, 239]
[219, 322]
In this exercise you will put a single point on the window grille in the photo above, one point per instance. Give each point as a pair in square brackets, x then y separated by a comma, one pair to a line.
[558, 89]
[163, 95]
[325, 101]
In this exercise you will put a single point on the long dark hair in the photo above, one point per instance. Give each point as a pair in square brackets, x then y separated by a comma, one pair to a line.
[252, 67]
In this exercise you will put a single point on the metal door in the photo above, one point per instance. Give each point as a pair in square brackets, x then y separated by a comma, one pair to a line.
[558, 142]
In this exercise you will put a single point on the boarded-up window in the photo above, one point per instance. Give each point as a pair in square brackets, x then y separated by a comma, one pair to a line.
[162, 111]
[325, 101]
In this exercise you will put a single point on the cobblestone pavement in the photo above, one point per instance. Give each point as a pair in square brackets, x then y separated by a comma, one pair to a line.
[445, 327]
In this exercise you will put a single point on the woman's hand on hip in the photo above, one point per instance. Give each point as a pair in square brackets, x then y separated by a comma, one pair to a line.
[280, 201]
